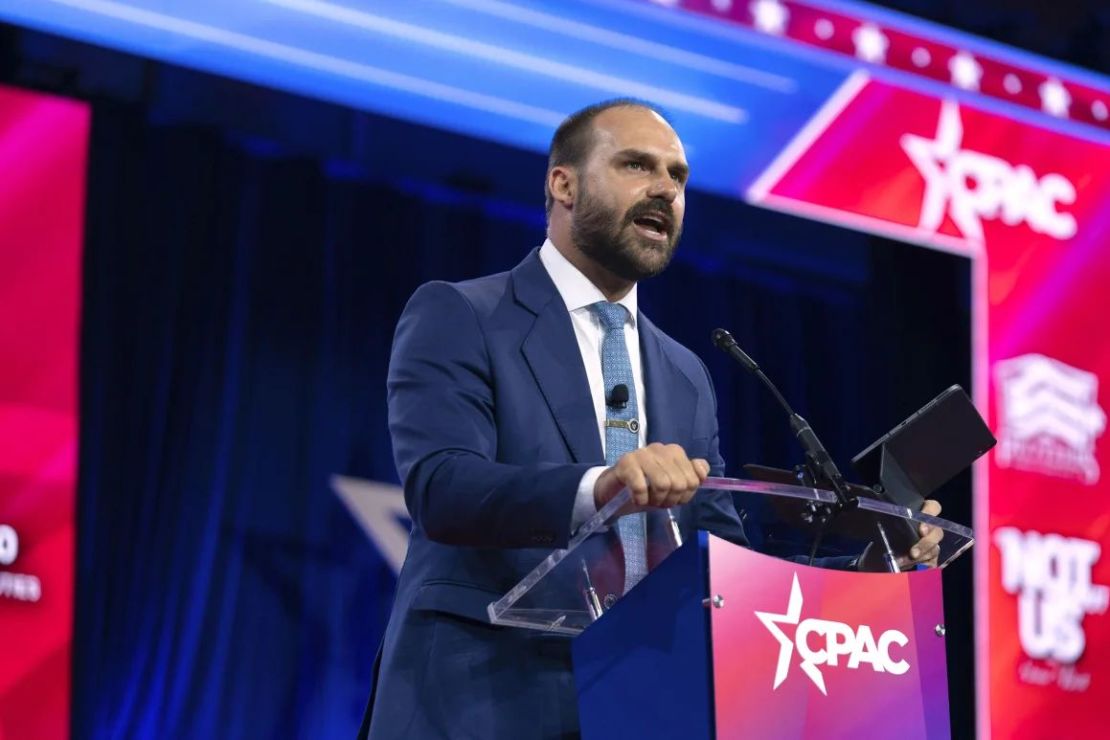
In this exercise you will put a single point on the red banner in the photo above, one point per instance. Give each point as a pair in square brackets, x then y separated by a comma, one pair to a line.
[43, 144]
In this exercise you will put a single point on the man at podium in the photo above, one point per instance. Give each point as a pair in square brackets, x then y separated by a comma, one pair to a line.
[519, 403]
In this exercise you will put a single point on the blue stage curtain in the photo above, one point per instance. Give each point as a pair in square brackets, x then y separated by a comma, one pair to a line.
[238, 312]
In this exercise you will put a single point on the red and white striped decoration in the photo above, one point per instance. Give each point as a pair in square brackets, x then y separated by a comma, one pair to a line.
[908, 50]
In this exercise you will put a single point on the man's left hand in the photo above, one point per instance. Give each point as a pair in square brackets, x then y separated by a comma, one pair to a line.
[926, 551]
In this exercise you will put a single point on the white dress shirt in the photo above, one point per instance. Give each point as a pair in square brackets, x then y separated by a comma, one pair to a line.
[578, 293]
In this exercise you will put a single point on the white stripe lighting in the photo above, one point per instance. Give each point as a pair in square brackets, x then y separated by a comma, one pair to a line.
[315, 61]
[631, 44]
[519, 60]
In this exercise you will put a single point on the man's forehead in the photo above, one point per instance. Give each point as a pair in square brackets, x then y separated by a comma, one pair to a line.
[633, 127]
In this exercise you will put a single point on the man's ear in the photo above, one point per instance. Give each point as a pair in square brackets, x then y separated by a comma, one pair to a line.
[562, 181]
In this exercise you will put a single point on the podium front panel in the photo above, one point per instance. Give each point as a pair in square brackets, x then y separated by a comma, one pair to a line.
[801, 652]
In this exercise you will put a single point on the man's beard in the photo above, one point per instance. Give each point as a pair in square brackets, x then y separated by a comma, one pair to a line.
[613, 243]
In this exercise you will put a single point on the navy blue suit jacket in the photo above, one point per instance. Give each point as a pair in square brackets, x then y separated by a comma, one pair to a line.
[493, 427]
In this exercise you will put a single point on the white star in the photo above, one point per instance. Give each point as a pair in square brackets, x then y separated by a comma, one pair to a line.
[1012, 83]
[1055, 99]
[931, 157]
[771, 622]
[921, 57]
[770, 16]
[966, 72]
[786, 645]
[722, 6]
[871, 44]
[823, 29]
[1098, 110]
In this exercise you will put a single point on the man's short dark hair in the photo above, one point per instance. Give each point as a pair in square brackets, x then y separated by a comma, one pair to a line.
[574, 139]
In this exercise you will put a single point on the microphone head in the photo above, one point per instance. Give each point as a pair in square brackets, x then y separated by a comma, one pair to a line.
[722, 339]
[724, 342]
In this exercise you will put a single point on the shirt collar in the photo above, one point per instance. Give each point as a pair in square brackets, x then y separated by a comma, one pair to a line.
[575, 288]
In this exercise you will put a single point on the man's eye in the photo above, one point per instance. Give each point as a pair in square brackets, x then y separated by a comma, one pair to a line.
[634, 165]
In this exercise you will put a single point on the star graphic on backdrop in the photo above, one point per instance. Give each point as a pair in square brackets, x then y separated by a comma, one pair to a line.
[930, 157]
[380, 510]
[871, 44]
[1055, 99]
[772, 621]
[966, 72]
[770, 16]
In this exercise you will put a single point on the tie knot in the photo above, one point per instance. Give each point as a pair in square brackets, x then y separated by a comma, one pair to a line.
[612, 315]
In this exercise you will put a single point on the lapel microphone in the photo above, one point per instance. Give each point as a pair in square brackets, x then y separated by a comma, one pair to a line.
[618, 399]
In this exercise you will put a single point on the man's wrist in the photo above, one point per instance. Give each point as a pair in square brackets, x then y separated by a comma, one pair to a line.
[585, 505]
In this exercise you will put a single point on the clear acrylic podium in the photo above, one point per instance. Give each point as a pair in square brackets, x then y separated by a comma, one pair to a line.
[723, 641]
[571, 588]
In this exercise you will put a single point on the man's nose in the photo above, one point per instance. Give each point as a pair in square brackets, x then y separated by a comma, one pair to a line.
[663, 186]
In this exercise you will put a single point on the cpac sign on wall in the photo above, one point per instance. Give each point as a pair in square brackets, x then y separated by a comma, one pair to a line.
[1029, 205]
[43, 142]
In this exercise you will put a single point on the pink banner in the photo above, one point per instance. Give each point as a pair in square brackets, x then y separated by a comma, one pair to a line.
[802, 652]
[1031, 207]
[43, 143]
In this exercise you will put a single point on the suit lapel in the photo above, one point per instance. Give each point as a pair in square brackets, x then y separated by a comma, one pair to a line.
[670, 396]
[551, 351]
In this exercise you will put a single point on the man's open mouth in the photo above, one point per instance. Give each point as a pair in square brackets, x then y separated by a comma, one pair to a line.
[653, 225]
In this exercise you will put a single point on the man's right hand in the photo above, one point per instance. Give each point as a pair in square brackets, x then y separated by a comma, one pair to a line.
[658, 476]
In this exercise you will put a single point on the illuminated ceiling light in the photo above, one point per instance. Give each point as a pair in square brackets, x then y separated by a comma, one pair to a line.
[966, 72]
[770, 16]
[1055, 99]
[871, 44]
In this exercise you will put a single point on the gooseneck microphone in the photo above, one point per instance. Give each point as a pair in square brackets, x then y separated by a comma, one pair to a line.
[618, 399]
[819, 462]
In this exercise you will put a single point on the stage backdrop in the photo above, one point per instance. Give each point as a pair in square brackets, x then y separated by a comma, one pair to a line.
[239, 309]
[43, 149]
[828, 109]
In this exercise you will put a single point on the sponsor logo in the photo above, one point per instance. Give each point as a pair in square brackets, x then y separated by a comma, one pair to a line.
[971, 186]
[1049, 417]
[1050, 575]
[823, 642]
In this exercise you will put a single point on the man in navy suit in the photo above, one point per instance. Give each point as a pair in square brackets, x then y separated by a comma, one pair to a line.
[497, 407]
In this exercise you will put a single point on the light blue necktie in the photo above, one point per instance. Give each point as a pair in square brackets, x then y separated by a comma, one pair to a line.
[622, 427]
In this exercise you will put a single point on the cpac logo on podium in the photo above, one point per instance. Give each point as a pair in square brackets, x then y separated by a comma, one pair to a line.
[1051, 576]
[971, 186]
[1048, 417]
[822, 642]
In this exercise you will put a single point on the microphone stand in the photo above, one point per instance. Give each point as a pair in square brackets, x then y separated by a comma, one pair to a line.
[818, 468]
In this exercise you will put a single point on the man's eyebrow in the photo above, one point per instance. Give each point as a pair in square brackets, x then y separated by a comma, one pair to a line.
[634, 154]
[679, 168]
